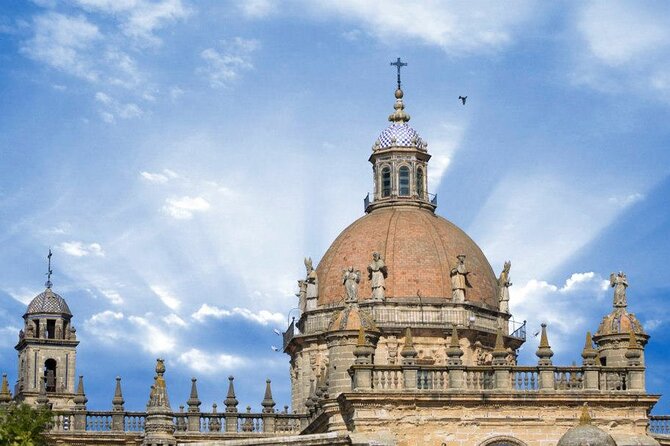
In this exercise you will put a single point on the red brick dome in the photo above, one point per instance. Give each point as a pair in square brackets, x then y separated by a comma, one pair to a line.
[419, 249]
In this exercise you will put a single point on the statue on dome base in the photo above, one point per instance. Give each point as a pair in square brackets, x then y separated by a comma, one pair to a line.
[503, 287]
[619, 282]
[459, 280]
[350, 280]
[312, 280]
[301, 295]
[377, 274]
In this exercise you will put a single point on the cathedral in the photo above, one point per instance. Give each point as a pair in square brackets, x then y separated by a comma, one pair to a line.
[404, 337]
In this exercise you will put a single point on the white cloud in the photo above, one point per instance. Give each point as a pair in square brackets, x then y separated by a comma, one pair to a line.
[443, 141]
[106, 325]
[113, 296]
[113, 108]
[183, 208]
[262, 317]
[23, 295]
[626, 200]
[611, 57]
[565, 308]
[222, 67]
[152, 338]
[210, 363]
[159, 177]
[173, 319]
[111, 326]
[80, 249]
[166, 297]
[257, 8]
[457, 28]
[140, 18]
[62, 41]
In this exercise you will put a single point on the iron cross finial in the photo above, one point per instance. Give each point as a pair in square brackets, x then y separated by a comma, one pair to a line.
[49, 272]
[399, 64]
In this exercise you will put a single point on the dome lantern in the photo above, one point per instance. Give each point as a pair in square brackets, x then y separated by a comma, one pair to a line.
[400, 161]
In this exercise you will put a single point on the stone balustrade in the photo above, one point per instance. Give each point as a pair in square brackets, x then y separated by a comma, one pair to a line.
[208, 422]
[394, 378]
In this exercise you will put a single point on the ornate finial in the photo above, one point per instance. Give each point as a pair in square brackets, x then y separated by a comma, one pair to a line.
[48, 283]
[268, 403]
[408, 351]
[117, 401]
[454, 352]
[5, 395]
[230, 401]
[80, 399]
[619, 282]
[585, 417]
[193, 400]
[398, 64]
[544, 351]
[633, 352]
[499, 351]
[589, 354]
[42, 399]
[361, 337]
[160, 366]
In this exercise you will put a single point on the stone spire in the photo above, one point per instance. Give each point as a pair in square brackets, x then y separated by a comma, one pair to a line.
[499, 352]
[117, 401]
[5, 394]
[589, 354]
[230, 401]
[159, 425]
[193, 400]
[544, 351]
[80, 399]
[268, 403]
[408, 351]
[454, 352]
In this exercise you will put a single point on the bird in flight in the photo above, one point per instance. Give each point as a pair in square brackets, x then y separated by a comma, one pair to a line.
[463, 98]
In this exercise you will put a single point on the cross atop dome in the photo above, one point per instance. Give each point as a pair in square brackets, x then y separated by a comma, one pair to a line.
[399, 64]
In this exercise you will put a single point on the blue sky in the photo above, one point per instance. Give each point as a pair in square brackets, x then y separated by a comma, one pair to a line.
[181, 158]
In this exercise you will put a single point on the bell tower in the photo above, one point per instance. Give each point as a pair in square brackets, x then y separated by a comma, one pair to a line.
[47, 350]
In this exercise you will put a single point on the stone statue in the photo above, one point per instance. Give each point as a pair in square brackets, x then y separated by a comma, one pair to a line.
[503, 287]
[377, 274]
[350, 280]
[312, 279]
[59, 332]
[72, 333]
[302, 295]
[619, 282]
[459, 280]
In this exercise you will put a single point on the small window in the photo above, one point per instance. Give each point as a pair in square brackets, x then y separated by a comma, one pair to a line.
[419, 182]
[51, 328]
[386, 182]
[404, 180]
[50, 374]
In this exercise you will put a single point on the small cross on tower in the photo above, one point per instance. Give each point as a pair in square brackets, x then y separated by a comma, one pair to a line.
[399, 64]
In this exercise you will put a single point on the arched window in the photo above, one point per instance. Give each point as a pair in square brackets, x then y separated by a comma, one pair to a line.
[419, 182]
[386, 182]
[403, 180]
[50, 374]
